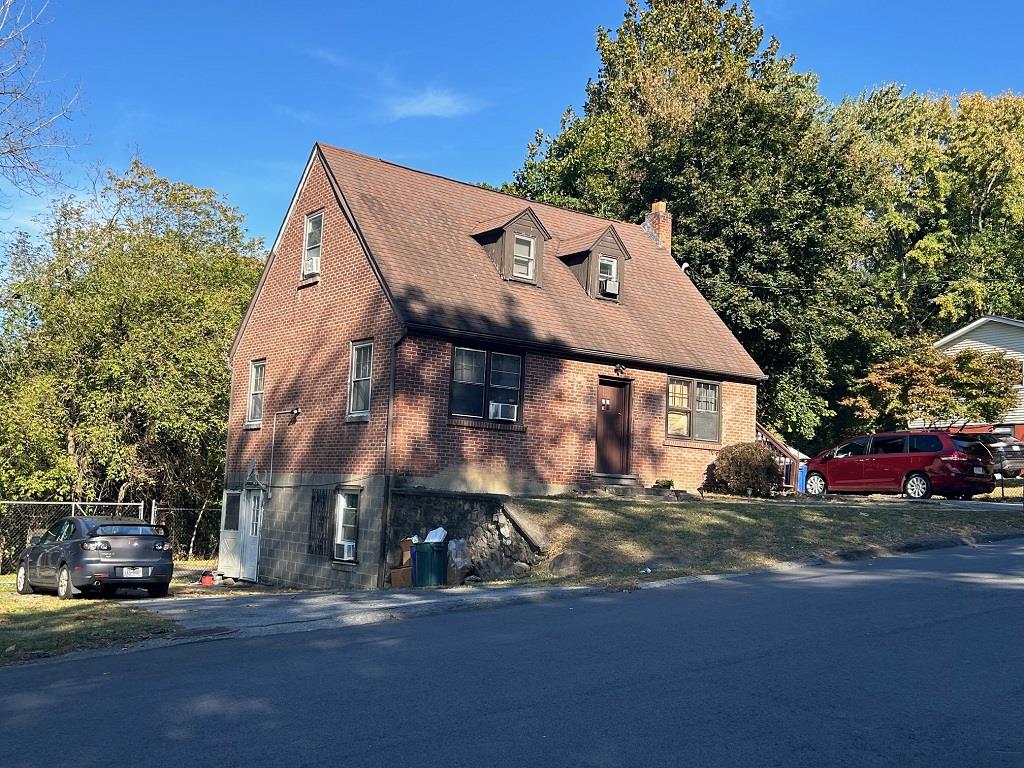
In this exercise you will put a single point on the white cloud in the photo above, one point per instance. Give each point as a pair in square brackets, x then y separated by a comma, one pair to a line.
[431, 102]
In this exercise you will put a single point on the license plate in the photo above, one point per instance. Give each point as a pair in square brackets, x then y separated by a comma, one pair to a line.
[132, 573]
[979, 470]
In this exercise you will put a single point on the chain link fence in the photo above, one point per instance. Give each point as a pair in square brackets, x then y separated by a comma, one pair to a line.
[21, 520]
[194, 532]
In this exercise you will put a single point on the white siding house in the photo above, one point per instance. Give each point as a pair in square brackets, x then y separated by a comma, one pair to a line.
[994, 334]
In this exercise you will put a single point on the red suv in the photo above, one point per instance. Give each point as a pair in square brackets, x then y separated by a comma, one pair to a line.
[916, 463]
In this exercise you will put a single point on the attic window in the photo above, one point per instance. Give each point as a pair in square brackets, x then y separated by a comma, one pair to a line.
[314, 236]
[523, 258]
[608, 275]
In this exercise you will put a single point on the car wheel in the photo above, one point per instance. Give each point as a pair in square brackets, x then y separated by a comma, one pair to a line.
[815, 485]
[157, 590]
[917, 486]
[22, 582]
[65, 589]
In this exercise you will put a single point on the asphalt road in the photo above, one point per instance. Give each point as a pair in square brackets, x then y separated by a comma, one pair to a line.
[911, 661]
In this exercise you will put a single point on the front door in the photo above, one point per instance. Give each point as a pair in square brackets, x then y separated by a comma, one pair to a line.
[613, 427]
[249, 522]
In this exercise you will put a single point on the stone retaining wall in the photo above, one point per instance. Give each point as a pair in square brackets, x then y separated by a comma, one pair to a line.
[494, 546]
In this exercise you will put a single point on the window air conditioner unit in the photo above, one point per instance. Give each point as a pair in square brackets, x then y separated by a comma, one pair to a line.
[345, 550]
[610, 287]
[504, 411]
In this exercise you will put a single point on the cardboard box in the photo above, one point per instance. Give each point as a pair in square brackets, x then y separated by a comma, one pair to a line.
[401, 577]
[406, 545]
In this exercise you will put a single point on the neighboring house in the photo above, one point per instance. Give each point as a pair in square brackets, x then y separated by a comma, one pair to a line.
[993, 334]
[440, 335]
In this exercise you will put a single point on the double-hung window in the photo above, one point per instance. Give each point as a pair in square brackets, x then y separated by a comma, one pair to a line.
[257, 377]
[607, 268]
[311, 252]
[360, 377]
[693, 409]
[486, 385]
[346, 524]
[524, 262]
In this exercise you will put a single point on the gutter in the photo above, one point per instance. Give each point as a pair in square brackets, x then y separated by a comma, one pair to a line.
[581, 353]
[385, 515]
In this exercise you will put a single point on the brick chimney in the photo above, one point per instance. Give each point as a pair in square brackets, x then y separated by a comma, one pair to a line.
[658, 224]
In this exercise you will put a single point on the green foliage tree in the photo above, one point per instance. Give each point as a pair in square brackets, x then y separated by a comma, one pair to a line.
[692, 105]
[922, 384]
[114, 336]
[948, 208]
[822, 235]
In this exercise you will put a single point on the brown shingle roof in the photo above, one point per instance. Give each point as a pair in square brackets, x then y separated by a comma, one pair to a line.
[419, 228]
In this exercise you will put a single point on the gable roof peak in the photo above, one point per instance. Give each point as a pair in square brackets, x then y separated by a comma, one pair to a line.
[589, 240]
[502, 221]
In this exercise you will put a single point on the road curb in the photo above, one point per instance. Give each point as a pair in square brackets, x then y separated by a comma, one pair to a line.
[520, 596]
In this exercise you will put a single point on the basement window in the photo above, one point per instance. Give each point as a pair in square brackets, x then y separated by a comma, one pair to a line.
[346, 525]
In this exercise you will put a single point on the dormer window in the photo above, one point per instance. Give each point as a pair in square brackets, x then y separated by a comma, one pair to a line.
[515, 243]
[597, 259]
[523, 259]
[608, 275]
[314, 236]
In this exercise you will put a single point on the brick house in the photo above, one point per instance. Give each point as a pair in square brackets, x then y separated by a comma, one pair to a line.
[409, 330]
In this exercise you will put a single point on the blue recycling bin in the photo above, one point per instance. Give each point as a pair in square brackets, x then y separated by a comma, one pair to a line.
[801, 478]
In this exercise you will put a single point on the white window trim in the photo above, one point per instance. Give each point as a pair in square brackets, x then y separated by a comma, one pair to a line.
[307, 274]
[338, 521]
[253, 364]
[532, 274]
[352, 377]
[615, 267]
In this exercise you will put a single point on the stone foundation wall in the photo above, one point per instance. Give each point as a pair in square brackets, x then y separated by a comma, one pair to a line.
[494, 546]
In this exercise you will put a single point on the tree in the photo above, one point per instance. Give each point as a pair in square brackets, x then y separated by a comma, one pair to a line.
[924, 385]
[694, 106]
[948, 205]
[115, 339]
[30, 117]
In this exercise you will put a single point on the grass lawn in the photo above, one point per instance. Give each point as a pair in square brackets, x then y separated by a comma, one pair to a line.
[35, 626]
[715, 535]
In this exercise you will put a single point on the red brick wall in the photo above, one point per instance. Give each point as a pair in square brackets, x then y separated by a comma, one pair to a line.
[304, 330]
[559, 411]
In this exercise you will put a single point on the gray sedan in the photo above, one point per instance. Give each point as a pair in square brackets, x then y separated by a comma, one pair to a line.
[97, 554]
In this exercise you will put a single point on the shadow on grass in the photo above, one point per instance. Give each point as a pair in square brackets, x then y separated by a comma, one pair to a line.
[620, 536]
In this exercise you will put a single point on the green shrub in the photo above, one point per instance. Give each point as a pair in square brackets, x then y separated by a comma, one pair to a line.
[746, 468]
[663, 483]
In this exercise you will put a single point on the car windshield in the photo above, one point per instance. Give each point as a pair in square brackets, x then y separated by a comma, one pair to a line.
[127, 529]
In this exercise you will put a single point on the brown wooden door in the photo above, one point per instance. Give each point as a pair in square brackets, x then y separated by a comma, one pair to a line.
[613, 427]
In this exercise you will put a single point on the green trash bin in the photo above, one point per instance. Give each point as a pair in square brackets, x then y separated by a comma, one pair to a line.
[431, 568]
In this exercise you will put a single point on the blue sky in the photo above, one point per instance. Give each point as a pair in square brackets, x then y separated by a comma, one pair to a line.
[233, 94]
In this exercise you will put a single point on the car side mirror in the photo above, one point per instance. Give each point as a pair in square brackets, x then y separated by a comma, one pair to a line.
[34, 541]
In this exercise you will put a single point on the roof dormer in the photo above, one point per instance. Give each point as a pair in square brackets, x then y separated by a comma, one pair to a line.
[515, 244]
[598, 261]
